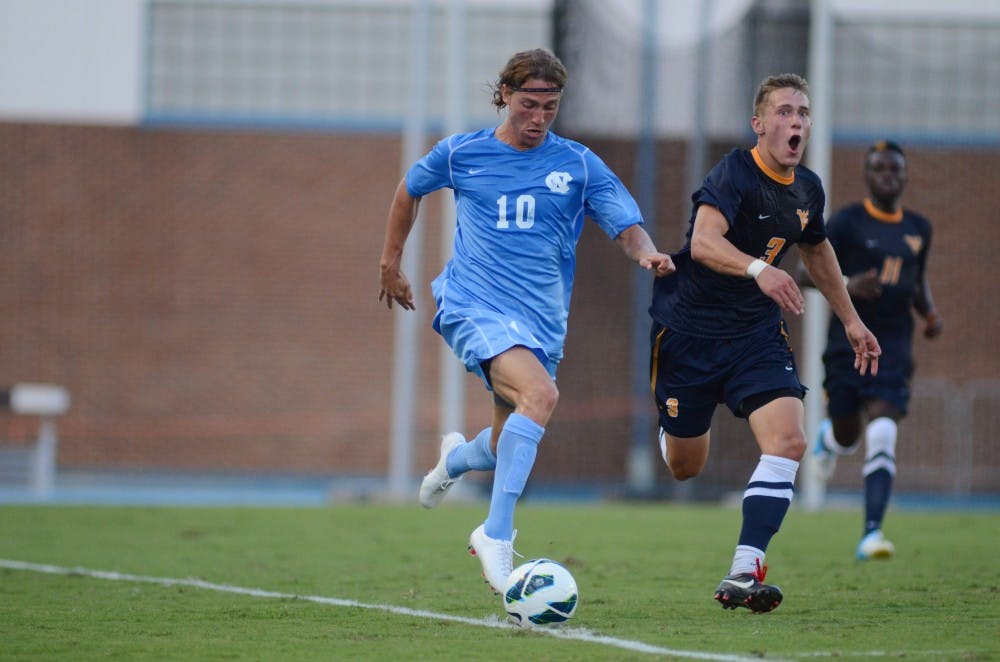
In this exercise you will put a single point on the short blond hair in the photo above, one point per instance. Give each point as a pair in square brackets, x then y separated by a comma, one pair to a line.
[777, 82]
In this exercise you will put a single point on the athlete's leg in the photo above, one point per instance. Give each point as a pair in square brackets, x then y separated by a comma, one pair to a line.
[844, 407]
[685, 456]
[879, 468]
[777, 427]
[476, 455]
[456, 458]
[845, 433]
[685, 411]
[836, 436]
[518, 377]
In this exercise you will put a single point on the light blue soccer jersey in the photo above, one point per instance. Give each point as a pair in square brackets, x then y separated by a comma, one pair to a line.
[519, 217]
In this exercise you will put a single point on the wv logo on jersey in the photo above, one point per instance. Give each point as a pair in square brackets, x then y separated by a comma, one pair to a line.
[558, 182]
[914, 241]
[803, 215]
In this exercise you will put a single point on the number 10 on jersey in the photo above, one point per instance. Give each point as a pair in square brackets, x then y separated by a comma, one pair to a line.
[524, 212]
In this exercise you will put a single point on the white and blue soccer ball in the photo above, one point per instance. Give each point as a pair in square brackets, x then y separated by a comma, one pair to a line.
[540, 592]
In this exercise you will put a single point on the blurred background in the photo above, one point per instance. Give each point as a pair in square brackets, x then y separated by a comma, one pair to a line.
[193, 199]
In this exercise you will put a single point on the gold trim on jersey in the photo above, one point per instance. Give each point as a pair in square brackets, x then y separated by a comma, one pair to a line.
[656, 361]
[781, 179]
[670, 405]
[879, 215]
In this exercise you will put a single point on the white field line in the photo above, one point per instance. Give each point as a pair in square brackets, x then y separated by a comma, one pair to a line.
[576, 634]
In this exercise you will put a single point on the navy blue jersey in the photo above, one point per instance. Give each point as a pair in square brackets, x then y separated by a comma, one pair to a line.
[767, 213]
[895, 245]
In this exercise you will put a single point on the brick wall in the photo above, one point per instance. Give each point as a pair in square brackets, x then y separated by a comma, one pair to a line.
[209, 298]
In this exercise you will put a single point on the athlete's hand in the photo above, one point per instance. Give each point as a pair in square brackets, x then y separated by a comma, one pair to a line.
[932, 325]
[866, 348]
[865, 286]
[395, 286]
[660, 264]
[782, 289]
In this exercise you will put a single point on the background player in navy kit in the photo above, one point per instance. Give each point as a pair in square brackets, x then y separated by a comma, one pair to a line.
[882, 249]
[718, 335]
[521, 193]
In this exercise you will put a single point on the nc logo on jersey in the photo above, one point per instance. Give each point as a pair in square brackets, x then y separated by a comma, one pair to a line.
[558, 182]
[914, 241]
[803, 215]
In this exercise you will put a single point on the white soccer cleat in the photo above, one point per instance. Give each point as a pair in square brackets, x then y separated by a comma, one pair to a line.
[824, 460]
[874, 546]
[437, 482]
[496, 557]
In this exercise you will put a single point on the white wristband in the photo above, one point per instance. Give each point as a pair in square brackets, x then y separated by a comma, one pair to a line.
[755, 268]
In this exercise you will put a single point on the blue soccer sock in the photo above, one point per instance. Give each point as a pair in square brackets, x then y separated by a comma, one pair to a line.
[765, 502]
[879, 470]
[878, 488]
[473, 456]
[516, 451]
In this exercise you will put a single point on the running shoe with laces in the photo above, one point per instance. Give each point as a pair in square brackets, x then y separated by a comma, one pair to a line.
[437, 482]
[874, 546]
[748, 590]
[496, 557]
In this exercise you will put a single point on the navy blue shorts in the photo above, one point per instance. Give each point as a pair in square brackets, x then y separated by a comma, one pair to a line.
[847, 390]
[690, 375]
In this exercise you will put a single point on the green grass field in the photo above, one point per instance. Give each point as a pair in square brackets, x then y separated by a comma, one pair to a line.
[646, 574]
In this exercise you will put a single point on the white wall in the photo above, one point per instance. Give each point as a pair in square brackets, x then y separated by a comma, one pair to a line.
[83, 60]
[919, 10]
[71, 60]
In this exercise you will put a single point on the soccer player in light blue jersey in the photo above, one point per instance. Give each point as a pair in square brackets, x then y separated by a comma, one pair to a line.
[522, 194]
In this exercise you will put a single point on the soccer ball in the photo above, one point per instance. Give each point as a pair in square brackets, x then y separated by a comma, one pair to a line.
[540, 592]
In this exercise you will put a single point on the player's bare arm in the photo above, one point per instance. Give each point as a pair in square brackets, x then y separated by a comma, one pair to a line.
[821, 263]
[636, 243]
[393, 283]
[923, 303]
[864, 286]
[710, 247]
